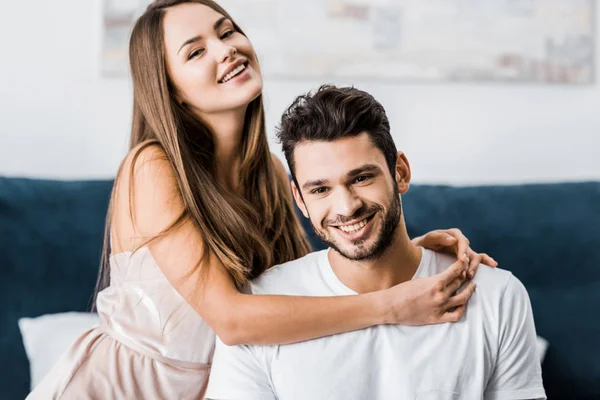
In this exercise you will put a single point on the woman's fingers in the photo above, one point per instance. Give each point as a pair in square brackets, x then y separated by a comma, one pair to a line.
[487, 260]
[462, 297]
[474, 261]
[451, 273]
[453, 241]
[454, 315]
[479, 258]
[453, 286]
[457, 304]
[437, 240]
[462, 245]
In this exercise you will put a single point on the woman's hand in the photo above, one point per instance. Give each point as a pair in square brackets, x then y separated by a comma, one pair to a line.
[452, 241]
[432, 300]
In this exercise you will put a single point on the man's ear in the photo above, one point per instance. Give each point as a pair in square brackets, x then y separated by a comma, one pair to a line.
[402, 173]
[298, 199]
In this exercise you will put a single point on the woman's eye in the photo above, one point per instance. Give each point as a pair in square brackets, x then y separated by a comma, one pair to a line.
[227, 34]
[195, 53]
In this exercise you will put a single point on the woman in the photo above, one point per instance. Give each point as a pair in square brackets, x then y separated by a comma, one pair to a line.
[199, 207]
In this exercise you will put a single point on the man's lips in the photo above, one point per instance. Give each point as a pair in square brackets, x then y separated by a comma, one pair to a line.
[357, 231]
[353, 222]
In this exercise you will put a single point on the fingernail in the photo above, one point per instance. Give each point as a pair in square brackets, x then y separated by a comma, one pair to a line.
[465, 256]
[471, 274]
[449, 238]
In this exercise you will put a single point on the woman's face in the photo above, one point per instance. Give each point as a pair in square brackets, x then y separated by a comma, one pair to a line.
[213, 66]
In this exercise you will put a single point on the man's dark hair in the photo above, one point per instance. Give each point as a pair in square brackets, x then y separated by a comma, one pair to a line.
[332, 113]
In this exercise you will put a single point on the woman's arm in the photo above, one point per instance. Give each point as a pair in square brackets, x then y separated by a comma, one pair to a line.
[270, 319]
[260, 319]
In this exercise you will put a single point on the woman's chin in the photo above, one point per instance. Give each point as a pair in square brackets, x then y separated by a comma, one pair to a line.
[235, 98]
[251, 91]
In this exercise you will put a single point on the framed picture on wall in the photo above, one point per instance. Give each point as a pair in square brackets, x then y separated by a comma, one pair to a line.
[523, 41]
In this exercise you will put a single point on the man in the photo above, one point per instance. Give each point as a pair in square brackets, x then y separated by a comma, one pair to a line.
[347, 177]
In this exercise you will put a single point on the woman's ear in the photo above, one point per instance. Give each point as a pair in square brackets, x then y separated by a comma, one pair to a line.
[299, 200]
[402, 173]
[178, 99]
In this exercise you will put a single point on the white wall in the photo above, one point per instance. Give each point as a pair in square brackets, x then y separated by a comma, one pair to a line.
[60, 119]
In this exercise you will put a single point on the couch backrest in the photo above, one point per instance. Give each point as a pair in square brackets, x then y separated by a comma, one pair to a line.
[547, 235]
[50, 243]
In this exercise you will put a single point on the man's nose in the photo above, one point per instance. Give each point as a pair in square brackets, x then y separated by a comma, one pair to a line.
[347, 202]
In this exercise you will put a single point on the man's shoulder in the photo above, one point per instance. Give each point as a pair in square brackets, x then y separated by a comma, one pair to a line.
[499, 293]
[295, 277]
[491, 282]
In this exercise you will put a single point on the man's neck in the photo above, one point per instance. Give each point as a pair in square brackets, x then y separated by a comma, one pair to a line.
[397, 264]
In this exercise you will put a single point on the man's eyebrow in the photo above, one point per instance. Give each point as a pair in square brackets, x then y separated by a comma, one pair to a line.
[360, 170]
[311, 184]
[351, 174]
[216, 26]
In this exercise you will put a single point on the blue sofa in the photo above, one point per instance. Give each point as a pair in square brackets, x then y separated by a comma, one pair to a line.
[548, 235]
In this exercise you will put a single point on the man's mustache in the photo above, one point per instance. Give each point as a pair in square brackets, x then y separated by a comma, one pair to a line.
[358, 214]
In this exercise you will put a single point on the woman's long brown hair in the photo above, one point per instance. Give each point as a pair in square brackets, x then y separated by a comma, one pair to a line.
[247, 231]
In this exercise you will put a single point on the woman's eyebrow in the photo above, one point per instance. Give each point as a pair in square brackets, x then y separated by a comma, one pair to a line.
[199, 37]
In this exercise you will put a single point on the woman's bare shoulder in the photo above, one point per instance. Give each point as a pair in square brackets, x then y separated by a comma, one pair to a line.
[147, 197]
[148, 159]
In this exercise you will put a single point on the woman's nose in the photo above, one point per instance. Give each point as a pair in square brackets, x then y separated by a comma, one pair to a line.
[224, 51]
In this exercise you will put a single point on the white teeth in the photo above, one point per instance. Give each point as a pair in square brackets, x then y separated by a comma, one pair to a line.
[353, 228]
[233, 73]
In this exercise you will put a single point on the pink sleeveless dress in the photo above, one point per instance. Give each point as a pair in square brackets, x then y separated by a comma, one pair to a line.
[150, 343]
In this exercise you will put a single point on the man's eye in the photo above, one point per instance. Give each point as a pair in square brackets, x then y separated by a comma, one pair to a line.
[320, 190]
[195, 53]
[362, 178]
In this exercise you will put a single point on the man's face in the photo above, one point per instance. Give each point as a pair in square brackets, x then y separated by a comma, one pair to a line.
[349, 194]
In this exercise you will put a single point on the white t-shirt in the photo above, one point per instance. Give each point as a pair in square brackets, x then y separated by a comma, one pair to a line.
[490, 354]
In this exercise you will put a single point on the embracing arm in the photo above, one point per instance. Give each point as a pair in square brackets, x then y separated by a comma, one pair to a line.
[272, 319]
[259, 319]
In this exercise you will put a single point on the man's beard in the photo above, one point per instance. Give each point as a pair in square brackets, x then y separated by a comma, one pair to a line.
[384, 240]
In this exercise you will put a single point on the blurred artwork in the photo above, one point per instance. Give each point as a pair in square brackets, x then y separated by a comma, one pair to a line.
[118, 19]
[530, 41]
[544, 41]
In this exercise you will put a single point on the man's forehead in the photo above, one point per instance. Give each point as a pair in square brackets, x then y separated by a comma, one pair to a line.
[331, 159]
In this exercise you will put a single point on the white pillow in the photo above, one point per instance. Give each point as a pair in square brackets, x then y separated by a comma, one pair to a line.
[47, 337]
[542, 346]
